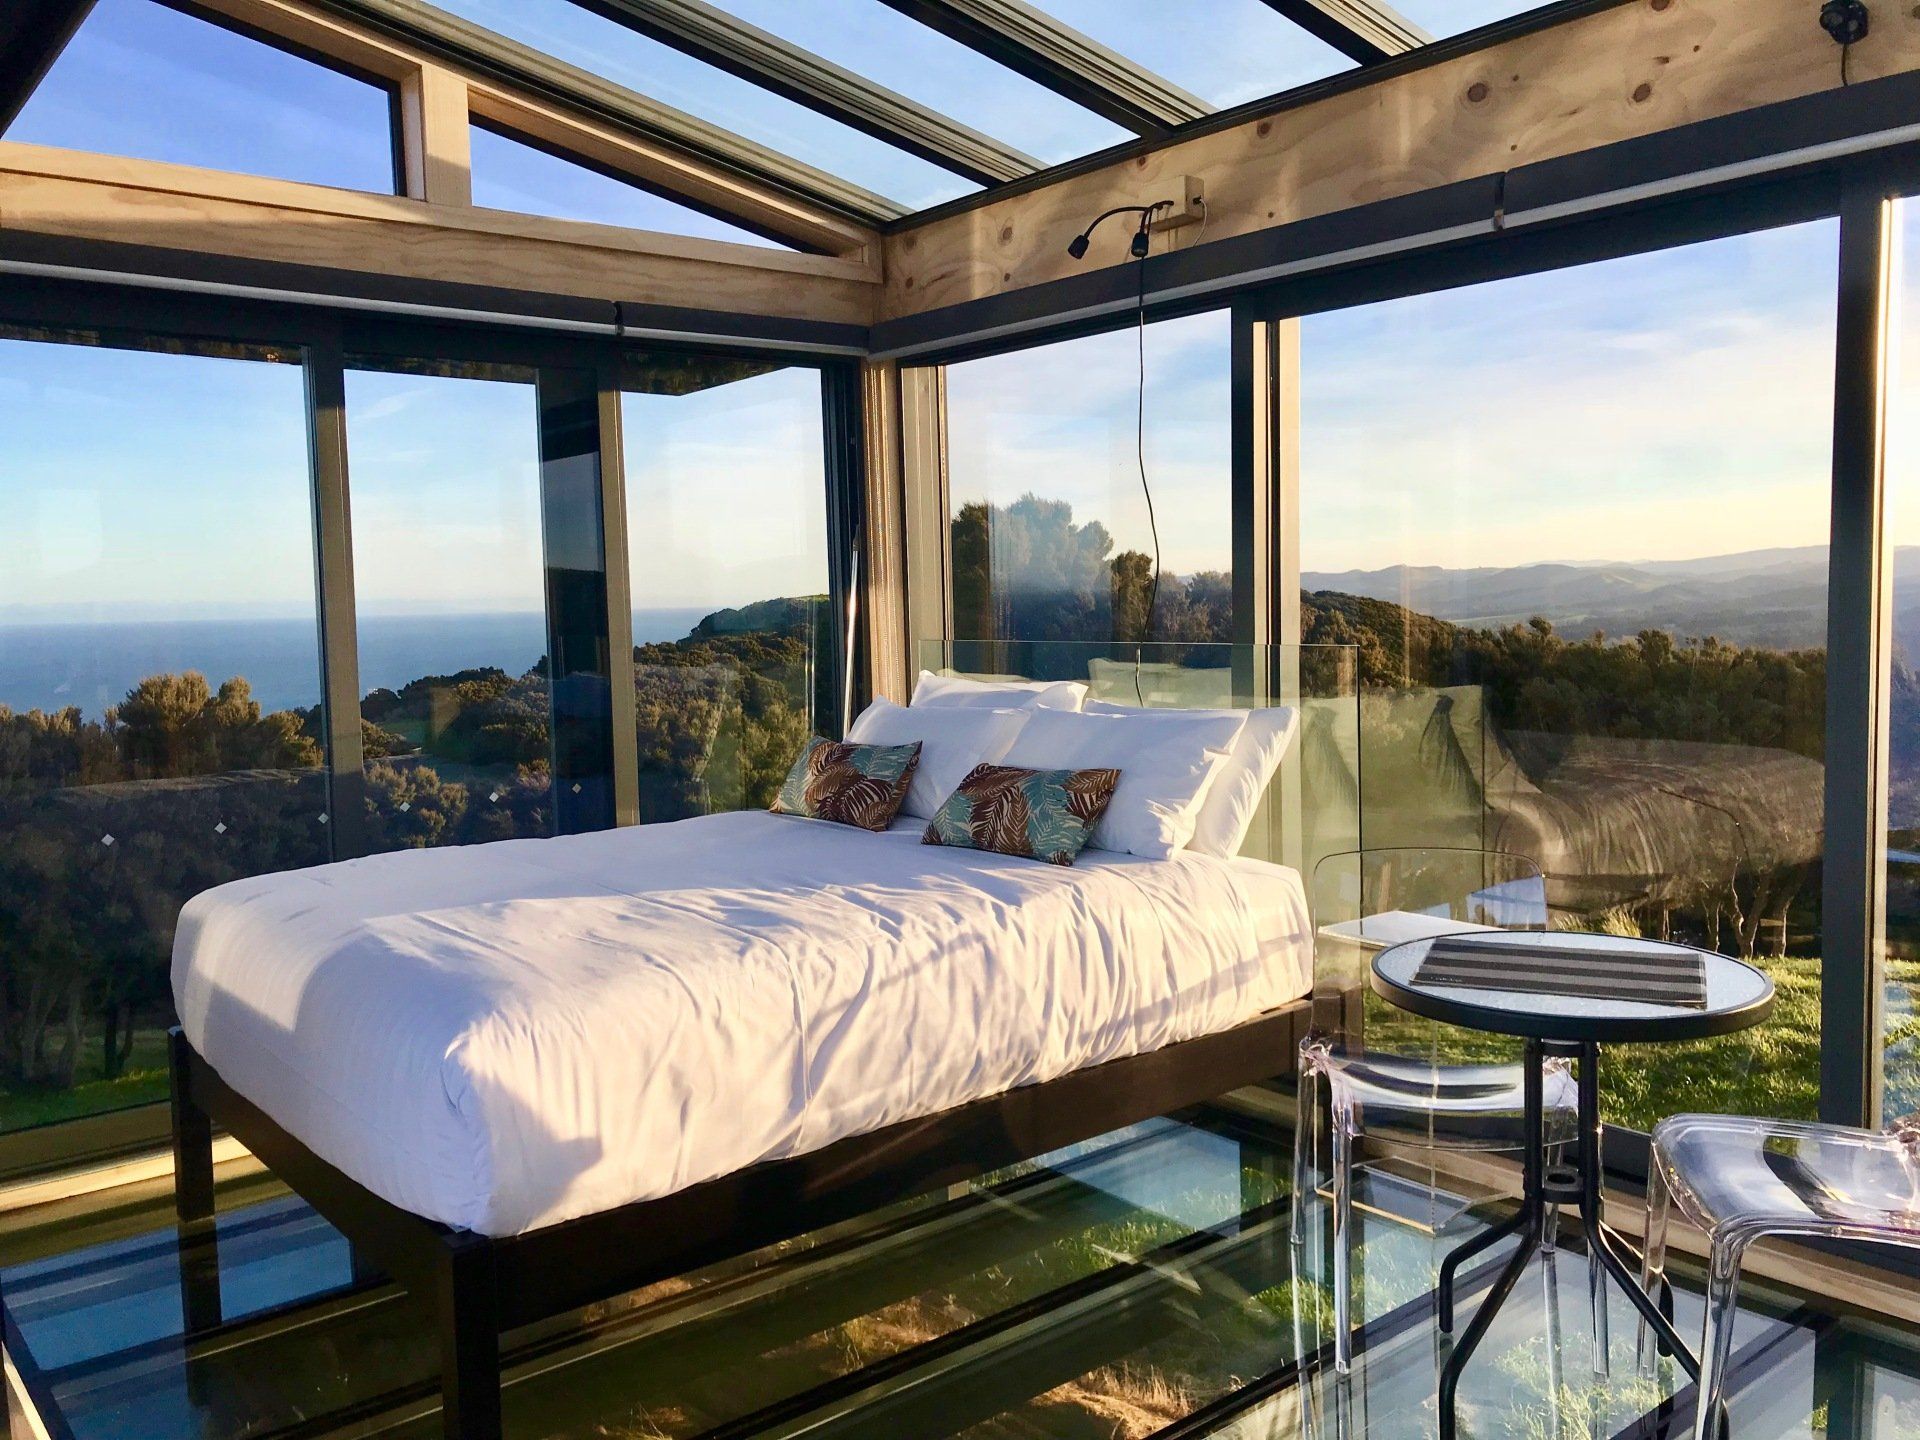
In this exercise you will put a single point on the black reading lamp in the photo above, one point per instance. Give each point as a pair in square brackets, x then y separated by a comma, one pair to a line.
[1139, 249]
[1077, 247]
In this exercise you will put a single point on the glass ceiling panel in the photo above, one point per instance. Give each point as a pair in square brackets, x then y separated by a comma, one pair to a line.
[890, 49]
[1454, 17]
[511, 174]
[1224, 51]
[615, 53]
[144, 80]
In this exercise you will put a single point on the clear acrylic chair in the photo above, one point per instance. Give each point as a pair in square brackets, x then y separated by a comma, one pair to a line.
[1739, 1180]
[1363, 901]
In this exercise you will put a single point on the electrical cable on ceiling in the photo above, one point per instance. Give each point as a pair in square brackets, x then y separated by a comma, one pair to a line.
[1140, 428]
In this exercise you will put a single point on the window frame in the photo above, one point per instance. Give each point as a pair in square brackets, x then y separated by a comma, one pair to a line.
[1859, 192]
[571, 368]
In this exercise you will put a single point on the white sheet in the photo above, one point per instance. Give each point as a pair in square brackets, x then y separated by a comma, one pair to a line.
[504, 1036]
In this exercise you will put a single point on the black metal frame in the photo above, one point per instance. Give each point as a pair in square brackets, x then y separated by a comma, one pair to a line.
[1363, 30]
[32, 35]
[481, 1287]
[1031, 43]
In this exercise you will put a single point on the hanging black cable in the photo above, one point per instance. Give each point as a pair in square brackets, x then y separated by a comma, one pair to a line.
[1140, 419]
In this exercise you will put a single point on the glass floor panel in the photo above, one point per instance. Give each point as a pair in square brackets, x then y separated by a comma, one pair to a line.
[1142, 1284]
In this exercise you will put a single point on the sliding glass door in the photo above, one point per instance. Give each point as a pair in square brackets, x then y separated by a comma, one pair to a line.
[449, 582]
[1577, 522]
[734, 634]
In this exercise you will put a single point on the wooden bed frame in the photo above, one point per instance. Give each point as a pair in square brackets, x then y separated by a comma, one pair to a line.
[481, 1287]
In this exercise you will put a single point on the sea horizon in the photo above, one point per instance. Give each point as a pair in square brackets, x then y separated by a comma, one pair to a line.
[52, 664]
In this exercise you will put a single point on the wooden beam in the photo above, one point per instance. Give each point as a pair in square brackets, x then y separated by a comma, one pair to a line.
[1612, 75]
[436, 137]
[927, 510]
[888, 660]
[46, 191]
[609, 124]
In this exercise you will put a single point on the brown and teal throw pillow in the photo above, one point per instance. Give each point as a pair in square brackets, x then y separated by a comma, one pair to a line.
[848, 784]
[1039, 814]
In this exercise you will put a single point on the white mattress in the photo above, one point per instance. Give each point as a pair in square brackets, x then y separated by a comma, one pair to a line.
[504, 1036]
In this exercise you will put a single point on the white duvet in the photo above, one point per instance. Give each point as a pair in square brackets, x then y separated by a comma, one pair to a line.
[504, 1036]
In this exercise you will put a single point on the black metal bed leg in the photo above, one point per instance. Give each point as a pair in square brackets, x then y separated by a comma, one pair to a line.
[468, 1302]
[199, 1239]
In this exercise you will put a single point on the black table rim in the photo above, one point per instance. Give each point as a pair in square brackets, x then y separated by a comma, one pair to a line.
[1605, 1029]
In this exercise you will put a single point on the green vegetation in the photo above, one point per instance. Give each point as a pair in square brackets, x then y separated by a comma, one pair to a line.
[114, 823]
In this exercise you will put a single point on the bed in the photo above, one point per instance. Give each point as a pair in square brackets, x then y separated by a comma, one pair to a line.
[527, 1075]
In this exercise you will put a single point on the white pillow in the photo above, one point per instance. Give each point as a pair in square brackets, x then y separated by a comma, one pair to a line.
[1228, 808]
[932, 689]
[1165, 763]
[953, 739]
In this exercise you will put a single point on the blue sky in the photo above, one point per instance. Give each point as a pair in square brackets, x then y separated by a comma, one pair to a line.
[1658, 407]
[1665, 405]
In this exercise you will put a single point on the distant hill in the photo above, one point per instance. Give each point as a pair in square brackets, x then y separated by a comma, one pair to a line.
[1770, 598]
[793, 614]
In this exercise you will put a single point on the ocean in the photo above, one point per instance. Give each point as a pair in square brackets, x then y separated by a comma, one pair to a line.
[51, 666]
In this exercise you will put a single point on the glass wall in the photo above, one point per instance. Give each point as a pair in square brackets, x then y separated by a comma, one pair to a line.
[726, 519]
[159, 687]
[450, 587]
[1577, 523]
[143, 79]
[1054, 524]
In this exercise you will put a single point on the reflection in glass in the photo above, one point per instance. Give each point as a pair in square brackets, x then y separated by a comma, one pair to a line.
[1582, 549]
[159, 689]
[450, 580]
[512, 174]
[1052, 538]
[726, 523]
[142, 79]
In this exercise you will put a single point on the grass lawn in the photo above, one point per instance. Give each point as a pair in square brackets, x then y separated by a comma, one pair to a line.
[144, 1080]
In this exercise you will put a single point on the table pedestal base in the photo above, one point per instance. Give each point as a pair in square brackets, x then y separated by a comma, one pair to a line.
[1544, 1189]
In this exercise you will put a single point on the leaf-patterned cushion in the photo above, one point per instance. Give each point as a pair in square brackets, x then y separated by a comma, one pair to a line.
[848, 784]
[1037, 814]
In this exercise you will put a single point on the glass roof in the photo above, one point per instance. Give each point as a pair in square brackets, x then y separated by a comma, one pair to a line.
[1038, 99]
[510, 174]
[613, 52]
[1442, 18]
[143, 80]
[1224, 51]
[890, 49]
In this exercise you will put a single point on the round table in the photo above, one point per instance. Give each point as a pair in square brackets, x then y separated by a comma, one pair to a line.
[1738, 995]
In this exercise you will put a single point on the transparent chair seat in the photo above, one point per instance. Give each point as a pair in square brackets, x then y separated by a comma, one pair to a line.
[1726, 1171]
[1458, 1107]
[1741, 1180]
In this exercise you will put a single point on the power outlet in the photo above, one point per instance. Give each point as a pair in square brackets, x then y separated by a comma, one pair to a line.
[1189, 207]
